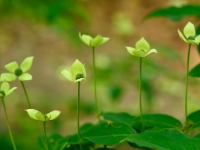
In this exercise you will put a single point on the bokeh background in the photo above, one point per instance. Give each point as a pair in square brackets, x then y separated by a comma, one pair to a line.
[48, 30]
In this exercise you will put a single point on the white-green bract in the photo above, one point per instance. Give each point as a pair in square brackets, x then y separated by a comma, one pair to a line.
[93, 42]
[5, 89]
[37, 115]
[190, 34]
[77, 72]
[141, 49]
[17, 70]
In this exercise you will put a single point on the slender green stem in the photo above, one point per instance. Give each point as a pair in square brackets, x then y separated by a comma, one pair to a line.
[95, 86]
[29, 104]
[186, 81]
[140, 93]
[78, 114]
[8, 124]
[27, 98]
[45, 136]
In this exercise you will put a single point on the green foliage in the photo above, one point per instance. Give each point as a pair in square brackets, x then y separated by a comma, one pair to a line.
[148, 131]
[109, 133]
[198, 33]
[62, 16]
[166, 139]
[175, 13]
[104, 149]
[157, 121]
[195, 72]
[121, 117]
[193, 120]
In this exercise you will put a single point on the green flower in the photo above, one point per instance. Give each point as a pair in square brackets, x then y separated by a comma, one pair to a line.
[5, 89]
[93, 42]
[141, 49]
[18, 71]
[37, 115]
[190, 34]
[77, 72]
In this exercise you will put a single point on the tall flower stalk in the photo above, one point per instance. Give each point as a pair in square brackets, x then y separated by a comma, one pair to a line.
[188, 36]
[93, 42]
[95, 84]
[186, 81]
[76, 74]
[5, 91]
[37, 115]
[141, 50]
[140, 92]
[78, 113]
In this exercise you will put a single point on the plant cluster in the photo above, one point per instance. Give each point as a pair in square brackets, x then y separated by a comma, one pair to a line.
[147, 131]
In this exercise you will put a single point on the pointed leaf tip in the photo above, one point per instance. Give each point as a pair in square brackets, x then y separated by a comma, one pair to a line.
[26, 64]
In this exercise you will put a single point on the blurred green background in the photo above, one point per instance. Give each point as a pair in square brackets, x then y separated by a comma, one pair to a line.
[48, 30]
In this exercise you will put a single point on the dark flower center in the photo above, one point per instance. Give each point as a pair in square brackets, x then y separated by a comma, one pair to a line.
[79, 76]
[3, 93]
[18, 72]
[45, 117]
[190, 38]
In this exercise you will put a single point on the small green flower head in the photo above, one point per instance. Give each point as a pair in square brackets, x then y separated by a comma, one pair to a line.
[77, 72]
[93, 42]
[18, 71]
[5, 89]
[141, 49]
[37, 115]
[190, 34]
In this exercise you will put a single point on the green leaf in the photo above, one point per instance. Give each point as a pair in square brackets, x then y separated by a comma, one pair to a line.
[197, 136]
[71, 142]
[198, 33]
[88, 146]
[157, 121]
[195, 72]
[164, 140]
[175, 13]
[53, 142]
[109, 134]
[194, 119]
[121, 117]
[73, 139]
